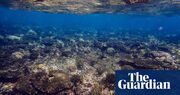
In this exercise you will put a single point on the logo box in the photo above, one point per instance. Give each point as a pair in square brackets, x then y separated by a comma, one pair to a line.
[147, 82]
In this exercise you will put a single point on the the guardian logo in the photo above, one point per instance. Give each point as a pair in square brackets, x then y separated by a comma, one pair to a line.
[138, 81]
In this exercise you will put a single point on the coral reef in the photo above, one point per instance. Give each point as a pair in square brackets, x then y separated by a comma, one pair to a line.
[76, 61]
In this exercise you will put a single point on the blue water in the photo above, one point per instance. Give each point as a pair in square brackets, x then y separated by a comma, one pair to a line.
[144, 22]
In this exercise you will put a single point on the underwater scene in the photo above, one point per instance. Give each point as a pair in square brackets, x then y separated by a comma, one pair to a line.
[46, 52]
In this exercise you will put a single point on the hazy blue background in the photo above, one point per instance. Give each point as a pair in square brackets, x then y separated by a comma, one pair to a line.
[106, 21]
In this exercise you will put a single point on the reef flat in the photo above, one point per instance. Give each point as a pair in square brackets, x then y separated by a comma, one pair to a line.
[56, 61]
[96, 6]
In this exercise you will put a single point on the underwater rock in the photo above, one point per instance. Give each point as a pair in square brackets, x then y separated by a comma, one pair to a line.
[178, 53]
[101, 45]
[34, 54]
[88, 83]
[85, 49]
[81, 40]
[11, 66]
[71, 65]
[142, 52]
[153, 40]
[76, 80]
[97, 90]
[17, 55]
[13, 37]
[38, 0]
[40, 67]
[48, 41]
[80, 63]
[160, 54]
[154, 64]
[121, 47]
[67, 52]
[44, 83]
[24, 86]
[107, 64]
[127, 67]
[2, 40]
[58, 81]
[73, 40]
[7, 88]
[31, 32]
[163, 56]
[60, 43]
[1, 37]
[109, 81]
[31, 36]
[114, 2]
[10, 75]
[164, 48]
[68, 65]
[136, 1]
[148, 63]
[110, 50]
[20, 54]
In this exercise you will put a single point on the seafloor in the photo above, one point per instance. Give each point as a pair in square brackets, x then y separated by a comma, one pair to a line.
[81, 61]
